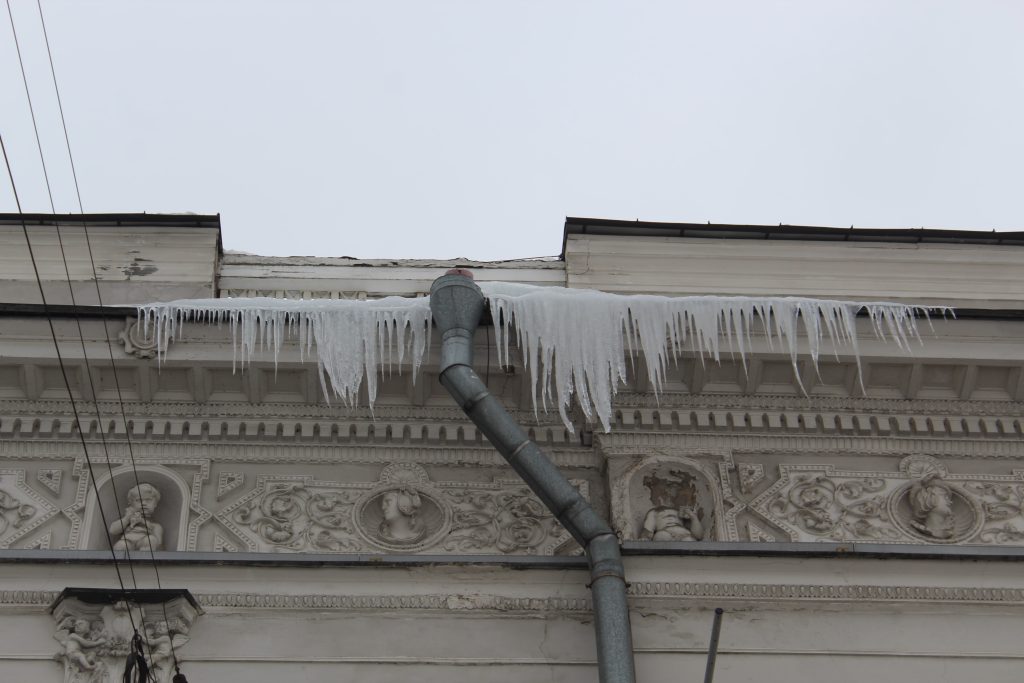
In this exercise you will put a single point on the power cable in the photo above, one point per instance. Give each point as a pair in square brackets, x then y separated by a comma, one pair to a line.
[64, 374]
[106, 329]
[81, 335]
[71, 291]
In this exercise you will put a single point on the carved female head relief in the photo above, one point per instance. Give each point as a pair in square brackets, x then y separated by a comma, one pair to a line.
[932, 509]
[401, 522]
[402, 512]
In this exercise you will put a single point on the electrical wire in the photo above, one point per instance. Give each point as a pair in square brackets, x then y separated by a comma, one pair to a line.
[99, 298]
[81, 335]
[71, 291]
[64, 373]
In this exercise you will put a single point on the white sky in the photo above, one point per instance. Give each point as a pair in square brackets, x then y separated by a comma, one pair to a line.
[444, 129]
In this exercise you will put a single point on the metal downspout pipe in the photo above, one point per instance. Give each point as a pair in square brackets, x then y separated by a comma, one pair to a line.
[457, 304]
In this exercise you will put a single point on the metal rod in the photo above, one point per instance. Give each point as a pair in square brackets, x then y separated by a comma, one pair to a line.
[716, 630]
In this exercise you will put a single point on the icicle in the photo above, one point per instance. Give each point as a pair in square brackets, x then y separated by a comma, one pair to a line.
[351, 337]
[572, 339]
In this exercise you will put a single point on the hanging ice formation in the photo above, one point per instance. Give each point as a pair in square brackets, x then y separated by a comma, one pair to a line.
[574, 342]
[352, 338]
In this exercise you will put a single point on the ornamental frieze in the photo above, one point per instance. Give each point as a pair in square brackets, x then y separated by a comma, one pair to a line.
[404, 511]
[922, 503]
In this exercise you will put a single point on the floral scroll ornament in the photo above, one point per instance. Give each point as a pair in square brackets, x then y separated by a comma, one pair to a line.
[1003, 506]
[135, 340]
[290, 517]
[13, 513]
[850, 509]
[513, 521]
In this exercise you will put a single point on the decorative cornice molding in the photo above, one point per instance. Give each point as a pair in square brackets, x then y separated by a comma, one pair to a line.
[671, 400]
[815, 420]
[310, 453]
[828, 593]
[643, 591]
[282, 423]
[211, 409]
[636, 444]
[449, 602]
[290, 423]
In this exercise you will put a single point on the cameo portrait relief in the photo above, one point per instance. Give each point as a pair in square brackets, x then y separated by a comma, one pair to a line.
[402, 512]
[931, 508]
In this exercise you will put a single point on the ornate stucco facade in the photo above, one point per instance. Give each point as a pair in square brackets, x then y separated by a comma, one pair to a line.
[864, 521]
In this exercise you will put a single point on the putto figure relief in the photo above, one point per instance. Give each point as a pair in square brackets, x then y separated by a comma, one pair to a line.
[80, 663]
[137, 530]
[162, 643]
[96, 637]
[674, 516]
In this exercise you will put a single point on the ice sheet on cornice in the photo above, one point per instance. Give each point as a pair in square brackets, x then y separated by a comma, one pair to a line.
[574, 342]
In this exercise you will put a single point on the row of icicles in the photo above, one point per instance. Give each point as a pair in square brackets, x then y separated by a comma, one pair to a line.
[574, 342]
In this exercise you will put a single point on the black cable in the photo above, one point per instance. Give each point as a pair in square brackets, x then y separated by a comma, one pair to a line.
[67, 383]
[78, 321]
[60, 105]
[99, 298]
[64, 374]
[31, 110]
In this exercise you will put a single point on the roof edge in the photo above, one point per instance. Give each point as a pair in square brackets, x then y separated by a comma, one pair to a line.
[194, 220]
[606, 226]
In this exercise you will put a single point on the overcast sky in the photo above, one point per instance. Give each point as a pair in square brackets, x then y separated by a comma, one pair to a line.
[443, 129]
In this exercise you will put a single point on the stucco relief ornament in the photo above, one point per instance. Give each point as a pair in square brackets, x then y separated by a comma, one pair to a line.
[932, 509]
[96, 639]
[675, 516]
[749, 474]
[511, 521]
[135, 340]
[849, 509]
[1003, 506]
[13, 513]
[161, 643]
[136, 530]
[403, 512]
[289, 516]
[80, 641]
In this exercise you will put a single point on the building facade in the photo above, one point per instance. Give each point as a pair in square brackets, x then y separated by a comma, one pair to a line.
[861, 518]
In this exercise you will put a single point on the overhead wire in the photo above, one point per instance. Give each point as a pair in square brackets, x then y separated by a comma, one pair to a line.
[63, 370]
[81, 335]
[71, 291]
[106, 329]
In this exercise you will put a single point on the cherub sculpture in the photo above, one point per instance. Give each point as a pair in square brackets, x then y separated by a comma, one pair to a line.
[74, 634]
[673, 517]
[161, 644]
[136, 529]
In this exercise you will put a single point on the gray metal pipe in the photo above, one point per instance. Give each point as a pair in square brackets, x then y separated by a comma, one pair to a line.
[457, 304]
[716, 632]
